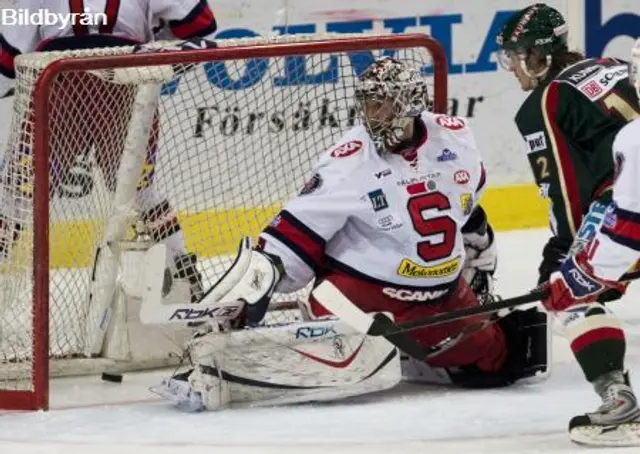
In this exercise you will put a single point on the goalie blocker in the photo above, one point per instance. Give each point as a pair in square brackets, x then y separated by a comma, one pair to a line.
[316, 360]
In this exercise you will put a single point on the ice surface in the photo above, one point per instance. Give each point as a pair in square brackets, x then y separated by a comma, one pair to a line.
[91, 416]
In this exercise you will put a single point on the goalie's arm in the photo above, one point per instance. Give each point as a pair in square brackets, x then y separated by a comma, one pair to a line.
[185, 18]
[14, 40]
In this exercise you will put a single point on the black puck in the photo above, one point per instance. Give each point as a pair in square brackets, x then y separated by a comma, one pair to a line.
[113, 378]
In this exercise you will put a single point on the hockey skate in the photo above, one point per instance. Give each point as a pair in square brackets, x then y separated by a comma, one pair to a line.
[616, 422]
[177, 390]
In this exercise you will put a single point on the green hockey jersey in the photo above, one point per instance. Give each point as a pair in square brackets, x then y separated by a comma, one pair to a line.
[569, 123]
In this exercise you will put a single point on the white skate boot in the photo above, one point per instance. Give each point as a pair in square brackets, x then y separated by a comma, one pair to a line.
[616, 422]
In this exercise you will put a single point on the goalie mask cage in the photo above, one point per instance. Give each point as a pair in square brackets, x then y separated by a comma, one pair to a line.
[224, 135]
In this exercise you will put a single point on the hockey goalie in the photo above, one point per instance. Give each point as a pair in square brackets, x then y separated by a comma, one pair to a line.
[389, 222]
[90, 116]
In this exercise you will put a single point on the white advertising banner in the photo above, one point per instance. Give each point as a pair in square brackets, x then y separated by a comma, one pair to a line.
[478, 89]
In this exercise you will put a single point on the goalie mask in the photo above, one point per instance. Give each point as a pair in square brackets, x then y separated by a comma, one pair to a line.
[390, 95]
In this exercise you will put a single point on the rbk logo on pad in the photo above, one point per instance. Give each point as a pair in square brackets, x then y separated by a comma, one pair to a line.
[378, 200]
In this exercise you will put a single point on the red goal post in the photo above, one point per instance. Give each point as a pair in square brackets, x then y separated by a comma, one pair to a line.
[31, 391]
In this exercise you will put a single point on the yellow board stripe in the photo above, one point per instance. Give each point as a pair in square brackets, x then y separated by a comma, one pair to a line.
[217, 232]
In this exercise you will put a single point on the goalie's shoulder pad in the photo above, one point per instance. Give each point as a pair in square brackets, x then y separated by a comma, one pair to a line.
[348, 155]
[443, 122]
[456, 135]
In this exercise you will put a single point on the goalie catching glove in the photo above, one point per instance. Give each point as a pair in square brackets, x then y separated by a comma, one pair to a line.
[252, 279]
[240, 296]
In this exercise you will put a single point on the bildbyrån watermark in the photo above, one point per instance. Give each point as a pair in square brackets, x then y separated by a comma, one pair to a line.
[23, 16]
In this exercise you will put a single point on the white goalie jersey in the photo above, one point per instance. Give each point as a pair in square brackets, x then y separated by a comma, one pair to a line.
[617, 245]
[139, 21]
[392, 218]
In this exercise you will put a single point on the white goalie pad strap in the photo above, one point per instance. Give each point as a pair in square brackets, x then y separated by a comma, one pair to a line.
[299, 362]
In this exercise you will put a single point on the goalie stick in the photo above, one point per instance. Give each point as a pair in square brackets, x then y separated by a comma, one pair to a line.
[329, 296]
[382, 328]
[379, 327]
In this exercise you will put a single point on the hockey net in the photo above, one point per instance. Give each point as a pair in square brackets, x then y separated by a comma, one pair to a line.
[225, 142]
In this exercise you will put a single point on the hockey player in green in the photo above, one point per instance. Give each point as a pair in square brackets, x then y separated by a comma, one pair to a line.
[569, 122]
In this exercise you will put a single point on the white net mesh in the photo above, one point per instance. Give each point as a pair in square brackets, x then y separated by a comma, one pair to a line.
[231, 141]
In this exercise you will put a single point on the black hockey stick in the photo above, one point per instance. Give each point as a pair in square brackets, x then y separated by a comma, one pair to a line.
[383, 326]
[396, 336]
[380, 324]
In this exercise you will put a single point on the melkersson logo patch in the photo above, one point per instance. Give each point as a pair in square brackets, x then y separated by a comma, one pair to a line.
[411, 269]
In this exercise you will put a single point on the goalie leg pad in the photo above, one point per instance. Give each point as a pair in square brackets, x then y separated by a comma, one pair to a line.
[300, 362]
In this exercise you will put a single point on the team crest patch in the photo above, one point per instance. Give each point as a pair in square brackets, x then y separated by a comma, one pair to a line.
[610, 217]
[310, 186]
[535, 142]
[461, 177]
[449, 122]
[466, 203]
[378, 200]
[592, 89]
[346, 149]
[447, 155]
[410, 269]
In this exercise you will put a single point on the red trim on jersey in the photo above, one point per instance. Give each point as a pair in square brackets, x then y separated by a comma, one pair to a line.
[331, 362]
[77, 7]
[625, 229]
[603, 187]
[199, 22]
[483, 178]
[111, 9]
[570, 180]
[7, 55]
[303, 241]
[596, 335]
[417, 188]
[7, 67]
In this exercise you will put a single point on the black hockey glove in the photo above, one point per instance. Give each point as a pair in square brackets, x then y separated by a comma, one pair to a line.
[526, 338]
[553, 254]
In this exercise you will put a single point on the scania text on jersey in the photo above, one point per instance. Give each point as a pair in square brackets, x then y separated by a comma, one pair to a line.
[402, 294]
[599, 31]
